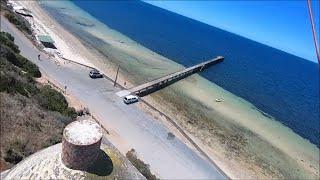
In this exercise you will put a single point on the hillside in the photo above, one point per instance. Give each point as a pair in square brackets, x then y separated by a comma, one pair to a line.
[32, 115]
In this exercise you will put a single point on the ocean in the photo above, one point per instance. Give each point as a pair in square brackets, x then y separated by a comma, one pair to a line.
[280, 85]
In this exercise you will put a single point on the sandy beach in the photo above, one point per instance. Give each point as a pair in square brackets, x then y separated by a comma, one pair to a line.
[238, 138]
[128, 126]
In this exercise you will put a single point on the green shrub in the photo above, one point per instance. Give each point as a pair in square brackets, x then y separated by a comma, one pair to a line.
[12, 156]
[140, 165]
[30, 67]
[4, 5]
[18, 21]
[20, 61]
[14, 152]
[8, 40]
[12, 82]
[70, 112]
[23, 89]
[53, 100]
[46, 111]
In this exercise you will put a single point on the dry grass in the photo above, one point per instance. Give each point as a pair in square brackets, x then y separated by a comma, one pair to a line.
[32, 116]
[26, 127]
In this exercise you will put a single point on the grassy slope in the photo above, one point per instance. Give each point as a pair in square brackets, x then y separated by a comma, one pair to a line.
[32, 116]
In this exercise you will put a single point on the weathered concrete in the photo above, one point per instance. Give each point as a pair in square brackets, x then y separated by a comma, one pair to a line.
[155, 85]
[47, 164]
[81, 144]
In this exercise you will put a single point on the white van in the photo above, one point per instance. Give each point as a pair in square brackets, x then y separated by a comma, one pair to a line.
[130, 99]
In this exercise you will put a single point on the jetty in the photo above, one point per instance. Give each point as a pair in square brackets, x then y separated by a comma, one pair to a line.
[157, 84]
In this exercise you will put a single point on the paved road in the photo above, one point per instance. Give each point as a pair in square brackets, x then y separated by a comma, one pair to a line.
[170, 159]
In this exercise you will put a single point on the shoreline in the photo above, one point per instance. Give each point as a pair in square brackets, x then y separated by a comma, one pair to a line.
[78, 104]
[148, 130]
[82, 52]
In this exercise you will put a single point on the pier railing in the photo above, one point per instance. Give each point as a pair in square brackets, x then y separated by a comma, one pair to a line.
[167, 80]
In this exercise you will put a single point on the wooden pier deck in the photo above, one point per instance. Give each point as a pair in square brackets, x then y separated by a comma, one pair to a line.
[162, 82]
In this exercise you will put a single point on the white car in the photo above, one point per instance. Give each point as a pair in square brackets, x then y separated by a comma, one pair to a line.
[130, 99]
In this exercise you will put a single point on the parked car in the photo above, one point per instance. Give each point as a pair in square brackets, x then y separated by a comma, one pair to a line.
[130, 99]
[95, 74]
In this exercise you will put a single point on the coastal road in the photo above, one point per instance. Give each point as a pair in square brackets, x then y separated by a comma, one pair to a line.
[168, 158]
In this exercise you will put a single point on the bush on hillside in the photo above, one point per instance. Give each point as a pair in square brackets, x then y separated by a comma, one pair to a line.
[11, 52]
[18, 21]
[8, 40]
[140, 165]
[14, 81]
[32, 117]
[53, 100]
[12, 156]
[29, 67]
[26, 127]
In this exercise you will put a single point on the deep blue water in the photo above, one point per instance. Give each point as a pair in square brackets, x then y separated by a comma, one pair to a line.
[280, 84]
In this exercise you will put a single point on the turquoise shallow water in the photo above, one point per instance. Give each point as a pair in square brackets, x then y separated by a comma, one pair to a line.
[264, 138]
[279, 84]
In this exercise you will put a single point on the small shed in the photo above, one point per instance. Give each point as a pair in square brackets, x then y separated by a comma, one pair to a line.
[47, 41]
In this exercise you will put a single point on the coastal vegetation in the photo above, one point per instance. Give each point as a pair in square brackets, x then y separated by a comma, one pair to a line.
[140, 165]
[20, 23]
[11, 52]
[15, 19]
[32, 115]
